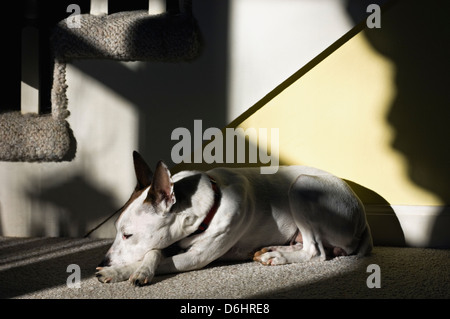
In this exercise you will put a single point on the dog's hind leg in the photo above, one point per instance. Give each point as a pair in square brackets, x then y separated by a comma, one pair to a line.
[280, 255]
[289, 248]
[316, 204]
[295, 244]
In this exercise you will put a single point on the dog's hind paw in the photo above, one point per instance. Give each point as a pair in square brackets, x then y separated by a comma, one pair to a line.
[268, 257]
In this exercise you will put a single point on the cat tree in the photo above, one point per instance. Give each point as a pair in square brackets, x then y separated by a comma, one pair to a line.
[171, 36]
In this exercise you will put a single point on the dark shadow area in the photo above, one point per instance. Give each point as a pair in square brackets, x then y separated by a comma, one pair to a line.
[42, 263]
[11, 66]
[414, 35]
[42, 16]
[357, 9]
[80, 204]
[384, 224]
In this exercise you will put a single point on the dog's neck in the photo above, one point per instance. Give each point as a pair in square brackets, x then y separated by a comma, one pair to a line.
[177, 247]
[217, 196]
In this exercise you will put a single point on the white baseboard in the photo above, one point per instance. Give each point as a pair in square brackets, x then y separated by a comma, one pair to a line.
[412, 226]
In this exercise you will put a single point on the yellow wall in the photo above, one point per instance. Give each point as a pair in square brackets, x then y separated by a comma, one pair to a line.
[334, 118]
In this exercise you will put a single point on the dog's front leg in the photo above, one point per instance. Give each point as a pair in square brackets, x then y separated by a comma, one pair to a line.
[190, 260]
[147, 269]
[199, 255]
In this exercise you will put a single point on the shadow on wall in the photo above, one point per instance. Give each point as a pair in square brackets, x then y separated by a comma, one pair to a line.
[414, 35]
[78, 204]
[171, 95]
[383, 233]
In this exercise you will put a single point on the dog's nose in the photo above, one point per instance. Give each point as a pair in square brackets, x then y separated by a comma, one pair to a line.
[105, 262]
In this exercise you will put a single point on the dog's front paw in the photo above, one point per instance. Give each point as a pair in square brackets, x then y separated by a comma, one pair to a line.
[269, 258]
[141, 277]
[146, 269]
[110, 274]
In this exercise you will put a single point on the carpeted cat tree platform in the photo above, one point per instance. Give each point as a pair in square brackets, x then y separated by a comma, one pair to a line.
[172, 36]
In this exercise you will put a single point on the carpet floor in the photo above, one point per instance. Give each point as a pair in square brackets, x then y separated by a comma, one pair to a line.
[33, 268]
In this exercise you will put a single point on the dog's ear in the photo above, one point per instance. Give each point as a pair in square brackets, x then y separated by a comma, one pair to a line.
[144, 174]
[161, 191]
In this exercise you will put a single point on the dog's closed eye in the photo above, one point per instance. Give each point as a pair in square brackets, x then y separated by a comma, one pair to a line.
[126, 236]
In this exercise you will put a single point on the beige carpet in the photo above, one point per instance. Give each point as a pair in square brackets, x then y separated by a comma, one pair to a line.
[37, 268]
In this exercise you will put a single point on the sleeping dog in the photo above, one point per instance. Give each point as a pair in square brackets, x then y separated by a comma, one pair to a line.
[295, 215]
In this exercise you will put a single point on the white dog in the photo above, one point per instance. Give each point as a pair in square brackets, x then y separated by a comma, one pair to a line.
[297, 214]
